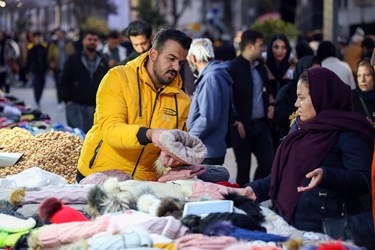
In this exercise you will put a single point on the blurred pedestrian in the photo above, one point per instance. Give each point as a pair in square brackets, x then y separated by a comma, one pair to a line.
[112, 50]
[140, 35]
[80, 80]
[37, 64]
[58, 50]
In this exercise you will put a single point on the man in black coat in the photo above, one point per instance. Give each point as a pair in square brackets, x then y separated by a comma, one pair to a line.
[80, 80]
[251, 101]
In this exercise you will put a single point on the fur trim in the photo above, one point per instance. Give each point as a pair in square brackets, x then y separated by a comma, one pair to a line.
[294, 244]
[251, 208]
[48, 208]
[148, 203]
[170, 207]
[160, 169]
[33, 240]
[111, 186]
[115, 203]
[95, 200]
[16, 197]
[186, 187]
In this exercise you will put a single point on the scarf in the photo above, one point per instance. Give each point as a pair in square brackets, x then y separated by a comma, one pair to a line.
[303, 150]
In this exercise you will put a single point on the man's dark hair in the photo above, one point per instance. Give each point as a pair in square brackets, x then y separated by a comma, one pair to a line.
[89, 32]
[137, 28]
[171, 34]
[326, 49]
[368, 43]
[249, 36]
[37, 34]
[113, 34]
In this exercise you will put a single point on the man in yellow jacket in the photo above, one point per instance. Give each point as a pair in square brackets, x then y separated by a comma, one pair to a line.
[133, 102]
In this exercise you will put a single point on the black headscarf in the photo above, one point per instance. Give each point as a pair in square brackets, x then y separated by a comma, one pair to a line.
[303, 150]
[278, 70]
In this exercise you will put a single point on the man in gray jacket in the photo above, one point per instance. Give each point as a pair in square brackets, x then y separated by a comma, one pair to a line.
[209, 109]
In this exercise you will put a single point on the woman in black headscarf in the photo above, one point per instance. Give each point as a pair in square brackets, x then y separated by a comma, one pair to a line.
[280, 69]
[363, 97]
[286, 97]
[325, 162]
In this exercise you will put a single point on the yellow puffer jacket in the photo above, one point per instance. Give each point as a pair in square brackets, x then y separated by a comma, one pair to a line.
[127, 100]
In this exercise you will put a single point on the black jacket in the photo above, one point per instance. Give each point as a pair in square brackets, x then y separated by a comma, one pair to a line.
[368, 99]
[76, 83]
[240, 71]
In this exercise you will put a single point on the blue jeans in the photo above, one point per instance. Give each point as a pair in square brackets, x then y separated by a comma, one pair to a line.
[80, 116]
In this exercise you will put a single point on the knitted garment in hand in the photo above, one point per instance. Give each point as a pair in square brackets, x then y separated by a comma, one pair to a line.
[179, 148]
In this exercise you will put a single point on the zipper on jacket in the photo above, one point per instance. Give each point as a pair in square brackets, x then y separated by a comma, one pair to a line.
[96, 151]
[139, 94]
[149, 124]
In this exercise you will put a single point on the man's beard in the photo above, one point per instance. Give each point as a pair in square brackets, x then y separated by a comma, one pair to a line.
[194, 69]
[160, 77]
[91, 49]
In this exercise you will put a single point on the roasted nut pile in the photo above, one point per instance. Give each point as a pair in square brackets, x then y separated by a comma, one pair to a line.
[9, 136]
[53, 151]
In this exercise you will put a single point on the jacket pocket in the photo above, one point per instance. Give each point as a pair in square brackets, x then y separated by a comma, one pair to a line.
[96, 151]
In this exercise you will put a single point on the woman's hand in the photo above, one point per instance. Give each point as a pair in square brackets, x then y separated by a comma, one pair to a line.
[248, 192]
[316, 178]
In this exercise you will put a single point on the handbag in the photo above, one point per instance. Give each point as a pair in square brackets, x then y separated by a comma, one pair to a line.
[356, 227]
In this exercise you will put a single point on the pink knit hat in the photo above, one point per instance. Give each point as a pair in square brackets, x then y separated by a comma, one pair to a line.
[57, 234]
[178, 148]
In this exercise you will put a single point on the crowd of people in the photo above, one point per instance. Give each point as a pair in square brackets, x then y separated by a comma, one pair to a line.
[309, 121]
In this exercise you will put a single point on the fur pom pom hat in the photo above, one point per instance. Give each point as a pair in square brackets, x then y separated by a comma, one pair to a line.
[52, 209]
[179, 148]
